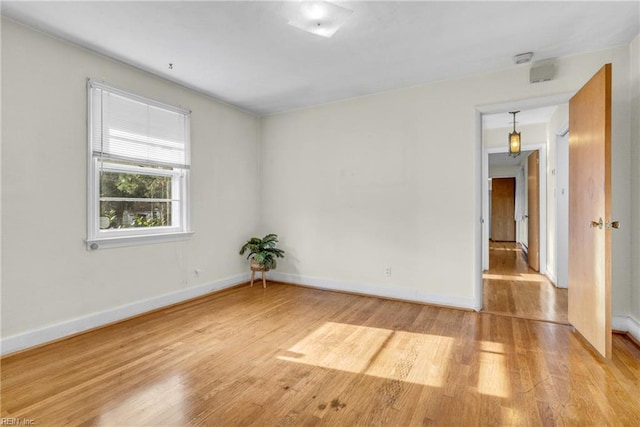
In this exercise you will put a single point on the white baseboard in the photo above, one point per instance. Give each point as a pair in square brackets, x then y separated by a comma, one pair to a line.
[551, 278]
[626, 324]
[619, 323]
[46, 334]
[634, 327]
[375, 290]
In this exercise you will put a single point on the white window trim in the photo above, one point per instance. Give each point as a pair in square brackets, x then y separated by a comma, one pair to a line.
[103, 239]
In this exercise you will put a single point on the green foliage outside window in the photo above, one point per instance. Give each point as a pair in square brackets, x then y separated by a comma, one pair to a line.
[141, 212]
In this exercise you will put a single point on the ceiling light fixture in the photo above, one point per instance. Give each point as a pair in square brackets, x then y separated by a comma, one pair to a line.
[514, 138]
[314, 11]
[320, 18]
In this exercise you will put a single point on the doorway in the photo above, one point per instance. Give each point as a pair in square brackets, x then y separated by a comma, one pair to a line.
[519, 165]
[590, 225]
[509, 285]
[512, 285]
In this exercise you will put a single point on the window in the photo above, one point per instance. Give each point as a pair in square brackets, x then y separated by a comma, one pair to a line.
[138, 169]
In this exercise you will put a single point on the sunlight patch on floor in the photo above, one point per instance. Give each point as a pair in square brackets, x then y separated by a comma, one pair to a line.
[505, 249]
[524, 277]
[492, 378]
[513, 417]
[385, 353]
[160, 400]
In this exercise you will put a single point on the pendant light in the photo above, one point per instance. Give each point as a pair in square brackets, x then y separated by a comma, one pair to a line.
[514, 138]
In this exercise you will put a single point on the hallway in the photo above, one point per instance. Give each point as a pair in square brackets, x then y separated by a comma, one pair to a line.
[511, 288]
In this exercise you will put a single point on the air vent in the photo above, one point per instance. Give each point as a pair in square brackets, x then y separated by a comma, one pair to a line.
[542, 71]
[523, 58]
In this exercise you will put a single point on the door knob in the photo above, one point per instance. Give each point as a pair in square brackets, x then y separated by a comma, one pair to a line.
[612, 224]
[597, 224]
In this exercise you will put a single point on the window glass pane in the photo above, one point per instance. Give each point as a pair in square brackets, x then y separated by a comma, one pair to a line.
[135, 200]
[116, 215]
[134, 185]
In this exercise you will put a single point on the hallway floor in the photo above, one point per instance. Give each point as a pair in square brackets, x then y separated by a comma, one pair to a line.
[511, 288]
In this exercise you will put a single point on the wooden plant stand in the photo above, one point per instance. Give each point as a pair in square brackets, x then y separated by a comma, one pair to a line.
[257, 267]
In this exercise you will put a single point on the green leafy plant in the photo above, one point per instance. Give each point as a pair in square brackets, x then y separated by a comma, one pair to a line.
[113, 218]
[143, 221]
[263, 251]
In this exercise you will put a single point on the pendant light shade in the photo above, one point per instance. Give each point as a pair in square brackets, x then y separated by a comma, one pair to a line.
[514, 138]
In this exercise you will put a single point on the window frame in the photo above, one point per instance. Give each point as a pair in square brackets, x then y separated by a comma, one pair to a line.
[109, 238]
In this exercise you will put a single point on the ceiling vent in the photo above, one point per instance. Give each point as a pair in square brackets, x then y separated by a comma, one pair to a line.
[523, 58]
[542, 71]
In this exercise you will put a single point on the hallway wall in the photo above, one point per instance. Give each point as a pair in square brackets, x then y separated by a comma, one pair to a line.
[558, 119]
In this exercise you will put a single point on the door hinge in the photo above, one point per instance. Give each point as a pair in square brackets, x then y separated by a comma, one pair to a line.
[612, 224]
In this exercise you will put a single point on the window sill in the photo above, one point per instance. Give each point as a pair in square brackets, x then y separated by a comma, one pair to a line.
[123, 241]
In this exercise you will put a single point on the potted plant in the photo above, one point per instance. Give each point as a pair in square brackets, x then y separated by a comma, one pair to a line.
[263, 255]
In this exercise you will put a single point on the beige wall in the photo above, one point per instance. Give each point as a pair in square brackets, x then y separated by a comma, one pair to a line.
[48, 277]
[502, 171]
[559, 119]
[391, 180]
[535, 134]
[635, 180]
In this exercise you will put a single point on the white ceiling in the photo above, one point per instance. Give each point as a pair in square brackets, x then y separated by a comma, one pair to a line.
[244, 53]
[525, 117]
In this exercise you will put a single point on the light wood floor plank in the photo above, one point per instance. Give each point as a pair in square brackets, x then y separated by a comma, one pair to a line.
[290, 356]
[512, 288]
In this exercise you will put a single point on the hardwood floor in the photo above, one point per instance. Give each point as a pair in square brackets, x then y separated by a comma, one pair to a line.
[289, 355]
[512, 288]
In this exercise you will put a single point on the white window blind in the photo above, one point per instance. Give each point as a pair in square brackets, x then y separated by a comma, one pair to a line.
[130, 128]
[138, 164]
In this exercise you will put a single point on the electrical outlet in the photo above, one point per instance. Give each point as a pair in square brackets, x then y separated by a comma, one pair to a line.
[387, 271]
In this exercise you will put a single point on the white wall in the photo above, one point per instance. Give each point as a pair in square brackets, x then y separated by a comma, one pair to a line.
[49, 279]
[634, 228]
[535, 134]
[391, 180]
[522, 227]
[560, 118]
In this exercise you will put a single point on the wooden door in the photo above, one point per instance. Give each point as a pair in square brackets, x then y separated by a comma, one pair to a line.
[503, 205]
[533, 203]
[590, 200]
